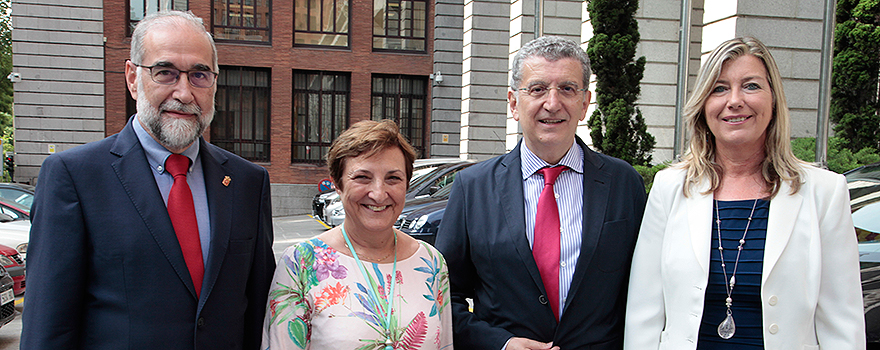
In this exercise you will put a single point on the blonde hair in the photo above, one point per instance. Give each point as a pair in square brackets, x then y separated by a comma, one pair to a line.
[368, 137]
[779, 163]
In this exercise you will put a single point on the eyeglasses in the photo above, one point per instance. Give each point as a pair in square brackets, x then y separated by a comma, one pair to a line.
[169, 76]
[565, 91]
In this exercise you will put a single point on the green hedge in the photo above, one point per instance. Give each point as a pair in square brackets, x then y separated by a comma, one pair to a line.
[649, 172]
[840, 159]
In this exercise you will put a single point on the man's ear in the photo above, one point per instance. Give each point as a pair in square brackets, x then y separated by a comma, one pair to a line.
[511, 103]
[586, 104]
[131, 78]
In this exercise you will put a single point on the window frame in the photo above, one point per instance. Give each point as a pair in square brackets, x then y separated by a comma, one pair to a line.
[308, 17]
[335, 130]
[399, 21]
[129, 26]
[407, 129]
[215, 26]
[240, 91]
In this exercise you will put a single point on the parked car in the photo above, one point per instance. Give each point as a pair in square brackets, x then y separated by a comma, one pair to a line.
[421, 218]
[15, 233]
[864, 193]
[7, 297]
[14, 264]
[319, 202]
[334, 213]
[19, 193]
[428, 178]
[14, 209]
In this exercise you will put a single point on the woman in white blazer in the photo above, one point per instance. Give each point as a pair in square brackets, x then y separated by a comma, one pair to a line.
[785, 230]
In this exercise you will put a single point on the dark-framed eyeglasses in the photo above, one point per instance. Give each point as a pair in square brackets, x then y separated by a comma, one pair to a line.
[169, 76]
[541, 90]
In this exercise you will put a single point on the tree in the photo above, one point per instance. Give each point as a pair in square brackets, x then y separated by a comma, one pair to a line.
[617, 126]
[854, 76]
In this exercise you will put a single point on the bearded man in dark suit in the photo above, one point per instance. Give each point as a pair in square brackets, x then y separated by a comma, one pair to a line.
[125, 255]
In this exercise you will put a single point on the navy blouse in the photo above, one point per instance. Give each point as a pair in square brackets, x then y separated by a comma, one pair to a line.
[746, 294]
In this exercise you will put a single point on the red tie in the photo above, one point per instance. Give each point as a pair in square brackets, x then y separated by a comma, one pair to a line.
[546, 246]
[183, 217]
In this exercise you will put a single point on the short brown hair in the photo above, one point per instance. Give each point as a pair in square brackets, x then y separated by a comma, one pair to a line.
[368, 137]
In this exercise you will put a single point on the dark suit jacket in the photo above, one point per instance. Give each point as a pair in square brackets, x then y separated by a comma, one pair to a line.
[105, 270]
[483, 237]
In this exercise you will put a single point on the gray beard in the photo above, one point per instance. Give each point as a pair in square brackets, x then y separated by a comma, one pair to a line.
[172, 133]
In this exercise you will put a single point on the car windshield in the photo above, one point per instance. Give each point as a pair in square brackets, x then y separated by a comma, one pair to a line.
[417, 181]
[443, 192]
[420, 172]
[23, 198]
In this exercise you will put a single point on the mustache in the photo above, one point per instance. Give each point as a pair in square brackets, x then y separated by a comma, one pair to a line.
[177, 106]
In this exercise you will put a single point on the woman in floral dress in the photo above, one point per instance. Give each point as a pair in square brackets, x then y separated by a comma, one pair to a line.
[362, 285]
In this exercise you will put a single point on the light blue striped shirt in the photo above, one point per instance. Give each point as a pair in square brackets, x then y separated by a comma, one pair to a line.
[569, 189]
[195, 178]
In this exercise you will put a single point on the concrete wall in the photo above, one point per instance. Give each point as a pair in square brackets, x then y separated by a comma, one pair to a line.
[659, 27]
[445, 140]
[484, 79]
[292, 199]
[58, 50]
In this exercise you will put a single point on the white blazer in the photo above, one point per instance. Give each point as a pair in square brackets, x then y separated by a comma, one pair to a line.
[810, 284]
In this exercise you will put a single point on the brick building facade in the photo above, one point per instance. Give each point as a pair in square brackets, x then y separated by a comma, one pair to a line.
[295, 73]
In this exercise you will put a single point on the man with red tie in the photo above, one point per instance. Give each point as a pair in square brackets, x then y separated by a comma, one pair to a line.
[541, 238]
[152, 238]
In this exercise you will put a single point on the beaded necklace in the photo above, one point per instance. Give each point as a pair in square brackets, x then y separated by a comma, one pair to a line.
[728, 327]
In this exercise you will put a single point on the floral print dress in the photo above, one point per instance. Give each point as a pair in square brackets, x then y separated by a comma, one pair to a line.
[319, 300]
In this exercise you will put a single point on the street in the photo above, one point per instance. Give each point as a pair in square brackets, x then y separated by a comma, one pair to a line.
[289, 230]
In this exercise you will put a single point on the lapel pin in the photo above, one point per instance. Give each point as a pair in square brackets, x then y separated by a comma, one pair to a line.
[226, 180]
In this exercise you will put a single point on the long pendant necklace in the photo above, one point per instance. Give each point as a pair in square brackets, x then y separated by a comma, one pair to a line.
[389, 344]
[728, 327]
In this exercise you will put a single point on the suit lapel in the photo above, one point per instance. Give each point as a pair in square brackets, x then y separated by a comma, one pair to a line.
[699, 216]
[510, 185]
[595, 197]
[784, 209]
[220, 207]
[134, 174]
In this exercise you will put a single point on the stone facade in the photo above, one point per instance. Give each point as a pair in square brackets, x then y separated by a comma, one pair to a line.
[58, 51]
[70, 55]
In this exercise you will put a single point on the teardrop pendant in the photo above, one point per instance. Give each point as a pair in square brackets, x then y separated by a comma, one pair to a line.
[727, 327]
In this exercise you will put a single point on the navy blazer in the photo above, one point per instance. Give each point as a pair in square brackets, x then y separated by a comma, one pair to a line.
[483, 237]
[105, 270]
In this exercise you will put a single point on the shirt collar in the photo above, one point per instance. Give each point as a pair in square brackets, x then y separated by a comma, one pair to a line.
[156, 153]
[531, 163]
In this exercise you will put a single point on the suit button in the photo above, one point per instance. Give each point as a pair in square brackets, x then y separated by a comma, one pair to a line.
[201, 322]
[773, 300]
[774, 328]
[543, 300]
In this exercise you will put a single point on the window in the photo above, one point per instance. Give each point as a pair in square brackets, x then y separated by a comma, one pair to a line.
[402, 99]
[138, 9]
[321, 22]
[320, 113]
[242, 20]
[399, 24]
[241, 118]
